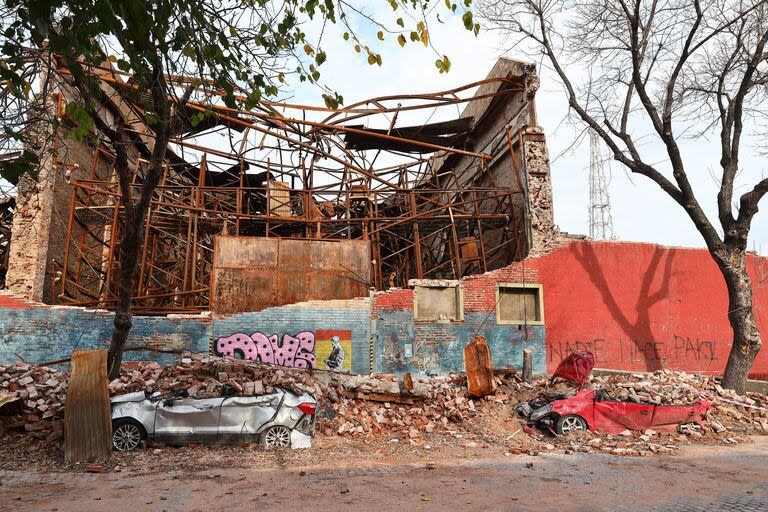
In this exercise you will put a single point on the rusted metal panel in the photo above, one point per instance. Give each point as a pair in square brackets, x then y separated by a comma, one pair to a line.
[241, 252]
[235, 287]
[87, 417]
[286, 271]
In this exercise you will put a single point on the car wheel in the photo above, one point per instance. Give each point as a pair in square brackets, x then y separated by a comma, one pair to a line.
[127, 434]
[277, 437]
[570, 423]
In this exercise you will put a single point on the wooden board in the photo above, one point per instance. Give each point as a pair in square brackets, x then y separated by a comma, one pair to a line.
[478, 364]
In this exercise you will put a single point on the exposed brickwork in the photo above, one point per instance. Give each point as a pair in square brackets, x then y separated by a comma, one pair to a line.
[395, 299]
[540, 209]
[438, 347]
[40, 224]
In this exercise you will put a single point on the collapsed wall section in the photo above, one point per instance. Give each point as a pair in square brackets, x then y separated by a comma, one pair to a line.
[405, 342]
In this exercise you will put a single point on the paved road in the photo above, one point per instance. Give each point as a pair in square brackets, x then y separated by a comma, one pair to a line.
[723, 478]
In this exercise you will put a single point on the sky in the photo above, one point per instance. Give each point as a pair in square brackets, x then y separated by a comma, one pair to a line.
[640, 210]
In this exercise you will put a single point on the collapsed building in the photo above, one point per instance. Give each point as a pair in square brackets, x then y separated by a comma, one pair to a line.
[378, 237]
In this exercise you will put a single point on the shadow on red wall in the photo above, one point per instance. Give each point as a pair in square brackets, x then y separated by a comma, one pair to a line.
[643, 307]
[639, 330]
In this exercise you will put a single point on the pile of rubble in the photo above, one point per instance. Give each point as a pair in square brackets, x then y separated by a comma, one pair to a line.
[662, 387]
[351, 405]
[386, 407]
[32, 398]
[433, 404]
[730, 412]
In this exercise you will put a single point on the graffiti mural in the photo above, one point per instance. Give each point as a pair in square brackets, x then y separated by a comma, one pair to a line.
[334, 350]
[297, 351]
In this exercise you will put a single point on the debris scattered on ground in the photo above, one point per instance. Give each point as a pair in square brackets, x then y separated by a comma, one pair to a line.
[42, 391]
[421, 413]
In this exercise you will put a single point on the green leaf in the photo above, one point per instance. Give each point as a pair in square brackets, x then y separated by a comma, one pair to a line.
[83, 123]
[443, 65]
[333, 101]
[11, 170]
[197, 118]
[467, 19]
[320, 57]
[400, 22]
[346, 36]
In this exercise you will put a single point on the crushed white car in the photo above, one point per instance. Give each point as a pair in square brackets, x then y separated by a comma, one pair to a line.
[280, 419]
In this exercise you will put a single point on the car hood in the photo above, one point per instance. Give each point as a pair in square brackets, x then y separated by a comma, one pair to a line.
[137, 396]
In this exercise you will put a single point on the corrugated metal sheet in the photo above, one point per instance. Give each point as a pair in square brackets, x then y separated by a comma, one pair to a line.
[87, 417]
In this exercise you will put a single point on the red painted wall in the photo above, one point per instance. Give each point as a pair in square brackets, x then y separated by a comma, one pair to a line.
[643, 307]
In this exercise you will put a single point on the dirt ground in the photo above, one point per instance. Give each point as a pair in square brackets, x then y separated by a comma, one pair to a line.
[342, 477]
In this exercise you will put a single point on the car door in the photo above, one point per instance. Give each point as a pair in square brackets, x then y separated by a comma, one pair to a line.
[614, 416]
[242, 415]
[186, 419]
[668, 417]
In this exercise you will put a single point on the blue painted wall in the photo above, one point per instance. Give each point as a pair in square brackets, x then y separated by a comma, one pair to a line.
[292, 320]
[438, 348]
[42, 334]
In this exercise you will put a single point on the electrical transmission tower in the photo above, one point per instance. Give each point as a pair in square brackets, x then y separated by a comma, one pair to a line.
[600, 220]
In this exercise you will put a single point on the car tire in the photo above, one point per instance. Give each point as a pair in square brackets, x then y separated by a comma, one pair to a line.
[570, 423]
[127, 434]
[276, 437]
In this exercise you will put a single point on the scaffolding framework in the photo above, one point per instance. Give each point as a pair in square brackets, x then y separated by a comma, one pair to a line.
[421, 195]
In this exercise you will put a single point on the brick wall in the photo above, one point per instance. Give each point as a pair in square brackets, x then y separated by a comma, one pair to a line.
[343, 318]
[42, 333]
[636, 306]
[642, 306]
[403, 344]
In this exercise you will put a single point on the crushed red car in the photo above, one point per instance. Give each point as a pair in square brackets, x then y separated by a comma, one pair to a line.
[596, 410]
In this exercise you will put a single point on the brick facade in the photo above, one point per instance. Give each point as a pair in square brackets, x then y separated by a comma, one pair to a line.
[40, 333]
[643, 307]
[403, 344]
[636, 306]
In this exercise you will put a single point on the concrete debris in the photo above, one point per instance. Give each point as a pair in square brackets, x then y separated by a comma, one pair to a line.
[42, 391]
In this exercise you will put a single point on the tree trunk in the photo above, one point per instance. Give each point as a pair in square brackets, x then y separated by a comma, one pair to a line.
[746, 336]
[130, 245]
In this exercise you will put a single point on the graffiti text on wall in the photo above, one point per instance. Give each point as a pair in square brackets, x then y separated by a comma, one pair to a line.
[679, 349]
[297, 351]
